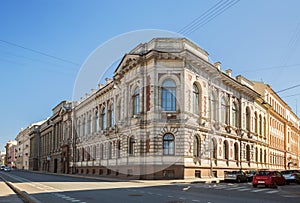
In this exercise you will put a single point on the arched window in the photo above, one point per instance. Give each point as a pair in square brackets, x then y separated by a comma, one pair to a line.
[82, 154]
[135, 101]
[111, 118]
[196, 146]
[234, 116]
[79, 128]
[90, 124]
[224, 111]
[248, 153]
[213, 107]
[261, 156]
[256, 155]
[260, 125]
[255, 122]
[131, 146]
[84, 127]
[101, 151]
[214, 150]
[168, 144]
[236, 152]
[94, 153]
[196, 100]
[88, 154]
[96, 121]
[118, 149]
[109, 148]
[103, 119]
[168, 96]
[248, 118]
[265, 127]
[226, 150]
[119, 110]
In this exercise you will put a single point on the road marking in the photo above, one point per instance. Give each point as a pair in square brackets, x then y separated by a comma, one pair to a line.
[170, 196]
[159, 194]
[235, 188]
[259, 190]
[75, 200]
[220, 187]
[186, 188]
[195, 200]
[245, 189]
[182, 198]
[272, 191]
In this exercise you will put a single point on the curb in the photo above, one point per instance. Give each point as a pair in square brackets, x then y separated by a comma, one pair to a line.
[29, 198]
[25, 196]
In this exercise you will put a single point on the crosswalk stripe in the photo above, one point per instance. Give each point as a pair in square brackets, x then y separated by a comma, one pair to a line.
[272, 191]
[258, 190]
[245, 189]
[235, 188]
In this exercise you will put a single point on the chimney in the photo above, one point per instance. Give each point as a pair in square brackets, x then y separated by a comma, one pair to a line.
[87, 95]
[218, 65]
[228, 72]
[108, 80]
[93, 90]
[100, 86]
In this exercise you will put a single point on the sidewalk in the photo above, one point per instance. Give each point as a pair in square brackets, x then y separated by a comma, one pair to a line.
[7, 195]
[172, 181]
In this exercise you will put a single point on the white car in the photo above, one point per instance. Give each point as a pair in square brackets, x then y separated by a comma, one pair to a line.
[291, 176]
[2, 167]
[7, 168]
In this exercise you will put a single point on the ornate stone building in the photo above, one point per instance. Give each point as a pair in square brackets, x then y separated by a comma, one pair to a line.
[55, 140]
[170, 113]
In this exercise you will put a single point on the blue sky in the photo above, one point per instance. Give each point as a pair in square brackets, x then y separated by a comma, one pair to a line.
[258, 38]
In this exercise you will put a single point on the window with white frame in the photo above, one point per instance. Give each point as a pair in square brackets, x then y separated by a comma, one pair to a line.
[224, 111]
[168, 95]
[234, 116]
[213, 107]
[168, 144]
[196, 100]
[135, 101]
[103, 119]
[96, 121]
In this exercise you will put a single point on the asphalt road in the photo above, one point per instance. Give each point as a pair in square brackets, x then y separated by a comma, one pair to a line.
[56, 189]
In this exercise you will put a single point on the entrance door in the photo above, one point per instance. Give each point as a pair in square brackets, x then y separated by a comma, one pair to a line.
[55, 165]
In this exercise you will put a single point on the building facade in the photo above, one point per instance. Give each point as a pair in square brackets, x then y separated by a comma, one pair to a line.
[170, 113]
[10, 149]
[54, 140]
[284, 130]
[23, 149]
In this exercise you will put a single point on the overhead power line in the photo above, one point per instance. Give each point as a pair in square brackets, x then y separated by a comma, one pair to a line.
[39, 52]
[207, 16]
[292, 87]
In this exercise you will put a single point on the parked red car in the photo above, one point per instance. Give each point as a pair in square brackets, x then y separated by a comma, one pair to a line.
[268, 179]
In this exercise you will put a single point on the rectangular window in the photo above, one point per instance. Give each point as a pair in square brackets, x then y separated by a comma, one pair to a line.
[197, 174]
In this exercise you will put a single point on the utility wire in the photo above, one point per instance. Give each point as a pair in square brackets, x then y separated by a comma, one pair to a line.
[39, 52]
[208, 16]
[292, 87]
[219, 10]
[185, 28]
